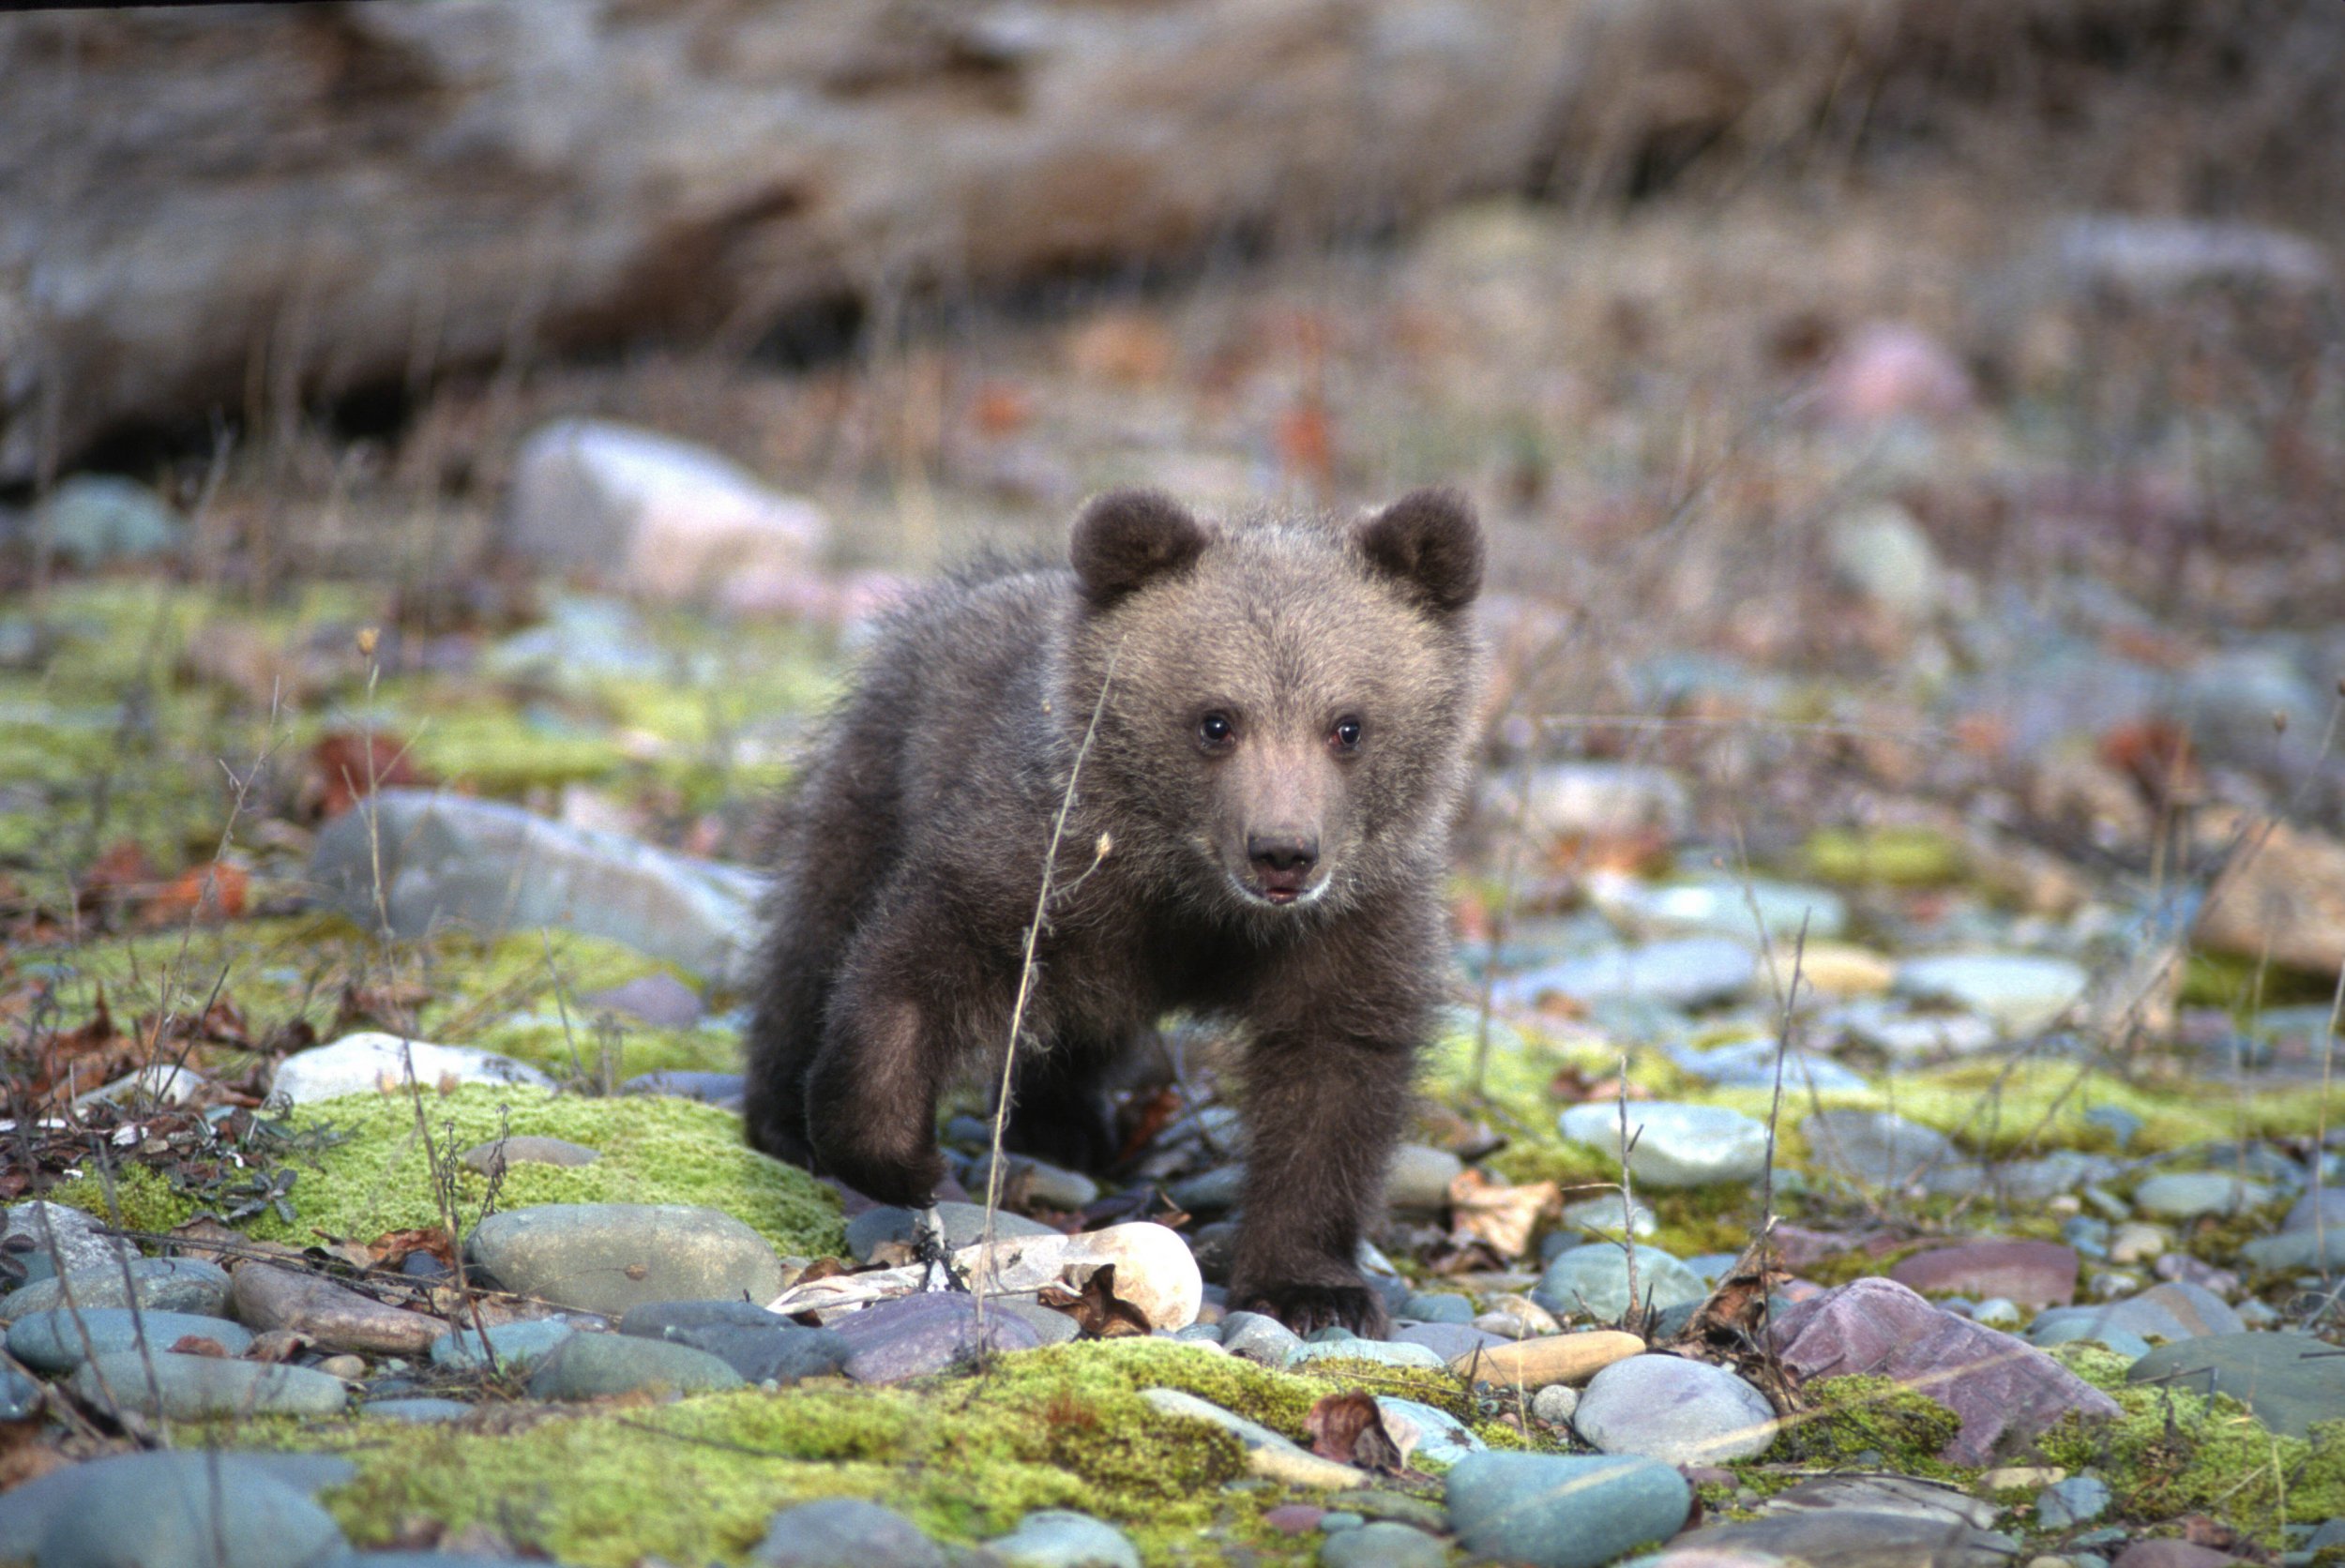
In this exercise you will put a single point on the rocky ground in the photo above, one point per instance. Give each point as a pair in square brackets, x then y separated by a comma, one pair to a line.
[1910, 831]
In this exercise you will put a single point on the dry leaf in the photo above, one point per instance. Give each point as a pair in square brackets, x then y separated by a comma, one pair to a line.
[276, 1345]
[393, 1247]
[1350, 1429]
[1097, 1311]
[1500, 1217]
[196, 1345]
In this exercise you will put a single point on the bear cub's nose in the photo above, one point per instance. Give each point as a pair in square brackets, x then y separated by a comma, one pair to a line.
[1282, 862]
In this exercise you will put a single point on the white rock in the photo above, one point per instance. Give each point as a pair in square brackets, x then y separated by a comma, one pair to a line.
[1154, 1271]
[359, 1063]
[665, 518]
[1679, 1145]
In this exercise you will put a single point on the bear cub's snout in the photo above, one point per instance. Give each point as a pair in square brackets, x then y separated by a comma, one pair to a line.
[1265, 727]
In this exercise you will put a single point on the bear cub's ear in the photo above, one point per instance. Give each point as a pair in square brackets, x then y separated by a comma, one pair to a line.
[1429, 540]
[1125, 538]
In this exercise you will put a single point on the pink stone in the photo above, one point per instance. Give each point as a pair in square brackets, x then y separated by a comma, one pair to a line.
[2004, 1388]
[1293, 1518]
[1889, 369]
[2027, 1274]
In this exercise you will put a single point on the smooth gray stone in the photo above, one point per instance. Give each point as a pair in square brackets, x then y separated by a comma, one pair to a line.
[164, 1284]
[1214, 1192]
[2064, 1505]
[1687, 971]
[420, 1411]
[777, 1354]
[67, 1234]
[2175, 1310]
[2021, 992]
[51, 1342]
[608, 1257]
[2296, 1251]
[659, 1000]
[1440, 1437]
[1553, 1511]
[201, 1388]
[1384, 1352]
[1060, 1538]
[1439, 1307]
[490, 867]
[1592, 1281]
[1050, 1326]
[964, 1225]
[1042, 1183]
[504, 1152]
[27, 1512]
[597, 1365]
[1258, 1336]
[710, 1087]
[1448, 1340]
[845, 1533]
[912, 1337]
[1680, 1411]
[2290, 1380]
[20, 1394]
[1677, 1145]
[1383, 1543]
[1877, 1148]
[515, 1345]
[2188, 1193]
[658, 1320]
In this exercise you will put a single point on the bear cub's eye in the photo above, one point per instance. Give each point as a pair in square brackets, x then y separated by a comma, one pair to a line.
[1346, 734]
[1215, 731]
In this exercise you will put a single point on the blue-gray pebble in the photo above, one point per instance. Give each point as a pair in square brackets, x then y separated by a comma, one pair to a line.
[1557, 1511]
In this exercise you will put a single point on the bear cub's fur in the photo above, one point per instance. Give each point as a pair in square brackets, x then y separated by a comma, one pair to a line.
[1275, 767]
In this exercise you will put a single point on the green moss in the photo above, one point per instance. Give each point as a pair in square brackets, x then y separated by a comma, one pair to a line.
[655, 1149]
[1896, 856]
[1849, 1417]
[141, 1200]
[963, 1459]
[2170, 1452]
[2240, 985]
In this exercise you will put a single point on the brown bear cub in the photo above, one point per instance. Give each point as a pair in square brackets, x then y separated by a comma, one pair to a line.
[1276, 764]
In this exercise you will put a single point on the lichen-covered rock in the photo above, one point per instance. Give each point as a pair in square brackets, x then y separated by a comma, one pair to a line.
[385, 1063]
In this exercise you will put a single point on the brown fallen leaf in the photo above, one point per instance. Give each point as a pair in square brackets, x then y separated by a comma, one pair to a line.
[1350, 1429]
[1500, 1217]
[276, 1344]
[1097, 1311]
[209, 893]
[197, 1345]
[394, 1247]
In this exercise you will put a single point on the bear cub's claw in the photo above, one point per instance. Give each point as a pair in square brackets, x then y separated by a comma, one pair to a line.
[1308, 1308]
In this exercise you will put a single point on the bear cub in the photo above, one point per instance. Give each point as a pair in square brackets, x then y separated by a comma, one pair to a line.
[1278, 715]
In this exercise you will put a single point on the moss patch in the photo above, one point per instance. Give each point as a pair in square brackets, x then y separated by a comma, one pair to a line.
[696, 1480]
[2171, 1452]
[1890, 1425]
[655, 1149]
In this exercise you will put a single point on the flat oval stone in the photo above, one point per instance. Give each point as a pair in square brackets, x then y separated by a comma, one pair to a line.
[1676, 1145]
[164, 1284]
[845, 1533]
[598, 1365]
[607, 1258]
[332, 1317]
[515, 1345]
[1060, 1538]
[912, 1337]
[1384, 1352]
[1679, 1411]
[1592, 1281]
[52, 1341]
[1549, 1359]
[488, 1158]
[1382, 1544]
[418, 1411]
[173, 1510]
[1554, 1511]
[202, 1388]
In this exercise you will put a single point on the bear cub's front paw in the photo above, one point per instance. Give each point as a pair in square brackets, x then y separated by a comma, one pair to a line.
[1306, 1308]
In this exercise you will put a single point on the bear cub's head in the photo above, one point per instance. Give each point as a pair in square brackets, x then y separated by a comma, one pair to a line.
[1287, 700]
